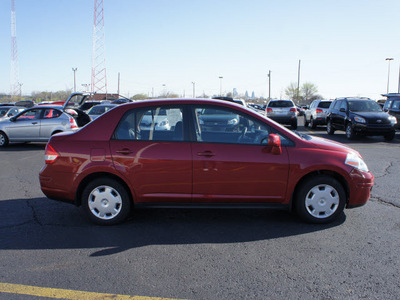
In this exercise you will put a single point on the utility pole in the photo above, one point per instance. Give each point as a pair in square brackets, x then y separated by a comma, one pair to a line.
[389, 60]
[194, 89]
[298, 83]
[74, 69]
[119, 81]
[269, 85]
[220, 85]
[15, 88]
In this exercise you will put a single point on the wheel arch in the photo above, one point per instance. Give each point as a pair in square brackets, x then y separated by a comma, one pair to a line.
[85, 181]
[306, 177]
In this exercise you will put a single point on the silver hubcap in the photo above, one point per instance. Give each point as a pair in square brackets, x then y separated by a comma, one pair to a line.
[322, 201]
[2, 140]
[105, 202]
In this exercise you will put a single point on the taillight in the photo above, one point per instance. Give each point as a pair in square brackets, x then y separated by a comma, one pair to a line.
[293, 110]
[319, 111]
[50, 155]
[269, 110]
[72, 123]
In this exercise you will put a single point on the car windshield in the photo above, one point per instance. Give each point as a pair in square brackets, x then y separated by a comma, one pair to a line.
[324, 104]
[280, 104]
[367, 105]
[98, 110]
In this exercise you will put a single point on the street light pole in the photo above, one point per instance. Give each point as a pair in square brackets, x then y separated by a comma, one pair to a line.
[388, 59]
[220, 85]
[269, 85]
[194, 89]
[74, 69]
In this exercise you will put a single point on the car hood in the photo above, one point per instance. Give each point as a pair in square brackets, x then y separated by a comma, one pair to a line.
[372, 114]
[330, 145]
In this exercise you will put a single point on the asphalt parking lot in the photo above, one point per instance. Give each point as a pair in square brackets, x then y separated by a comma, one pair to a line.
[201, 254]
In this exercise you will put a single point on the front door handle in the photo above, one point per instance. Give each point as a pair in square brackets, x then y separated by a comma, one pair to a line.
[206, 154]
[34, 123]
[124, 151]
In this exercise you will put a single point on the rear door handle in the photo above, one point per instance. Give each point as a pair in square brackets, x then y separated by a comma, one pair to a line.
[34, 123]
[206, 154]
[124, 151]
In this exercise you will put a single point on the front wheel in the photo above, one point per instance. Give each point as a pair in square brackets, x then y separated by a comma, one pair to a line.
[320, 199]
[106, 201]
[3, 139]
[389, 137]
[350, 134]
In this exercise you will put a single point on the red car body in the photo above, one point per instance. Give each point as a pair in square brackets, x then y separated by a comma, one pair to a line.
[198, 174]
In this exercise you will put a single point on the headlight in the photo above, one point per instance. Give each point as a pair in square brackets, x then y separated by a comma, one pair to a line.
[392, 120]
[360, 120]
[356, 162]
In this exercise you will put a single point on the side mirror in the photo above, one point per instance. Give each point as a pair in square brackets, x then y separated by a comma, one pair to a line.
[274, 141]
[342, 110]
[12, 119]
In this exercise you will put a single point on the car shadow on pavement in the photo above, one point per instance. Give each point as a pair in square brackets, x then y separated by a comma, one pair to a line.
[24, 147]
[44, 224]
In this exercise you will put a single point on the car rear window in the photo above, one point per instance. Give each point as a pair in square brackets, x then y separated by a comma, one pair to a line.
[324, 104]
[281, 104]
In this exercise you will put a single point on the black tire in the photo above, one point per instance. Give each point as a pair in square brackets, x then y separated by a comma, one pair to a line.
[350, 134]
[106, 201]
[3, 139]
[294, 124]
[312, 123]
[329, 128]
[305, 122]
[320, 199]
[389, 137]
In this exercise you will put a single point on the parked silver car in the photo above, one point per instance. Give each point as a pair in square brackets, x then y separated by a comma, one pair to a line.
[10, 111]
[36, 124]
[316, 114]
[282, 111]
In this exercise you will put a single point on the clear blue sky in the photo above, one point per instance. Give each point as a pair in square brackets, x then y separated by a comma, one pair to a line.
[342, 45]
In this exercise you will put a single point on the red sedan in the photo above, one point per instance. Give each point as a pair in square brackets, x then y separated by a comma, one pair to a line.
[200, 153]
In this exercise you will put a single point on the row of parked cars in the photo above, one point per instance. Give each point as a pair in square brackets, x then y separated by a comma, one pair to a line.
[354, 115]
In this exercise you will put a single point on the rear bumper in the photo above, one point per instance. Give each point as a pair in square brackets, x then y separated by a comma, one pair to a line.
[283, 119]
[60, 190]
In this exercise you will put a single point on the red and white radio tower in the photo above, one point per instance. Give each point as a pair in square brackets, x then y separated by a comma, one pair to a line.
[15, 88]
[99, 78]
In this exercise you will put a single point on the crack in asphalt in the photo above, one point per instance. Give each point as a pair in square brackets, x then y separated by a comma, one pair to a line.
[34, 214]
[385, 171]
[380, 200]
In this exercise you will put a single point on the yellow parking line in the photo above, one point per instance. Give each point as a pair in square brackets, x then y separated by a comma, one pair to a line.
[65, 294]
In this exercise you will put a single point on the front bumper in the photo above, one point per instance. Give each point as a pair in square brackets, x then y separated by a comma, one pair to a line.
[372, 130]
[360, 188]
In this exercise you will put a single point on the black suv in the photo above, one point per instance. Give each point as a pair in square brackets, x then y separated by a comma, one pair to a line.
[392, 106]
[361, 116]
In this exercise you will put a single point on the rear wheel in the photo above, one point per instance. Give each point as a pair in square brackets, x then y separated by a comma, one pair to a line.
[305, 122]
[350, 134]
[3, 139]
[294, 124]
[312, 123]
[106, 201]
[329, 128]
[320, 199]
